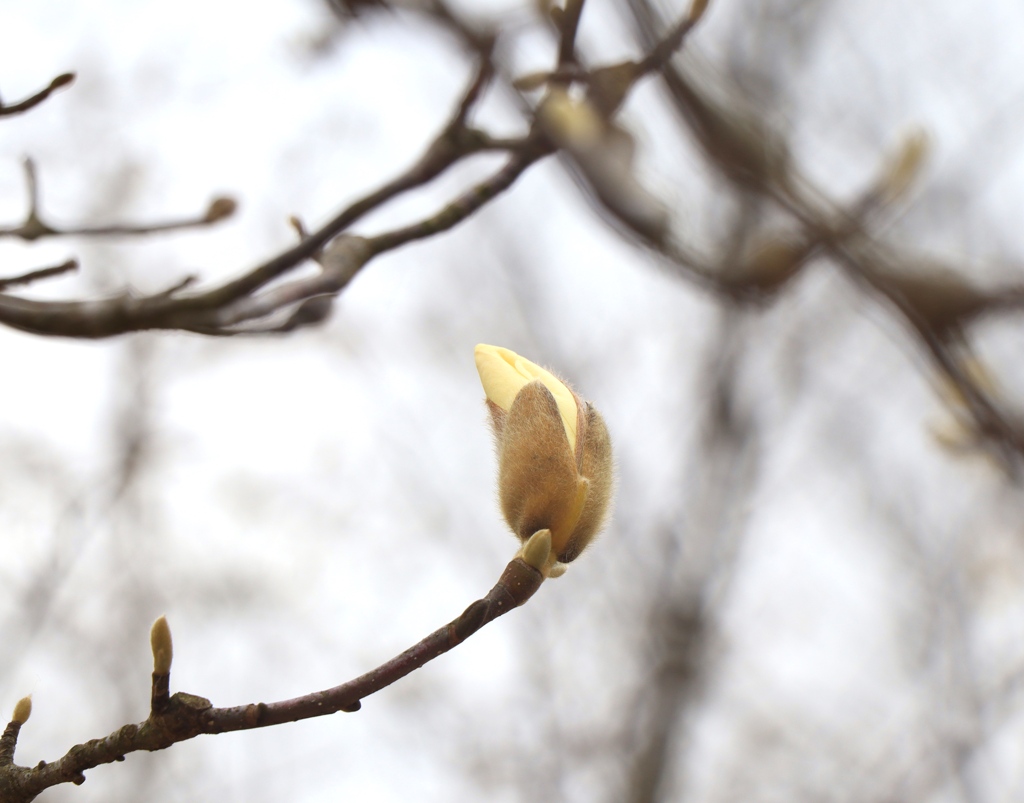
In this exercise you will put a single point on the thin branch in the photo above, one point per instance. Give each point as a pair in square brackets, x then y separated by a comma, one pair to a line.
[669, 46]
[34, 227]
[185, 716]
[64, 79]
[454, 143]
[568, 24]
[220, 310]
[39, 274]
[462, 207]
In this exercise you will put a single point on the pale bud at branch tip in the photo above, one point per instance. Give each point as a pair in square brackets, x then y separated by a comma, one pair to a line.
[22, 710]
[163, 650]
[537, 550]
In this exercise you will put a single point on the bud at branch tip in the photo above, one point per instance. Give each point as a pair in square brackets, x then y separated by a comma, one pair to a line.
[22, 710]
[220, 208]
[163, 650]
[537, 550]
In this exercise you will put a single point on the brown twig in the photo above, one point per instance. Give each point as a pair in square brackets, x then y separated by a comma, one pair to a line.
[64, 79]
[39, 274]
[34, 227]
[462, 207]
[568, 25]
[221, 310]
[184, 716]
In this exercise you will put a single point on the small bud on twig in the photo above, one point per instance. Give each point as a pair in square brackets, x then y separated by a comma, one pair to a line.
[907, 164]
[219, 209]
[62, 80]
[22, 710]
[537, 549]
[163, 650]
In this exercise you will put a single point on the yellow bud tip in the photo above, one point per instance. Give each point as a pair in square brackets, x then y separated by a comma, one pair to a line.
[557, 570]
[537, 550]
[22, 710]
[503, 373]
[163, 650]
[220, 208]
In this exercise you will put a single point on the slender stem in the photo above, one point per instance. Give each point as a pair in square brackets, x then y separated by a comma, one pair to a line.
[185, 716]
[34, 100]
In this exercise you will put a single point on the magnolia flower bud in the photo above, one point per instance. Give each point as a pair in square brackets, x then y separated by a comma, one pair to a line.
[554, 459]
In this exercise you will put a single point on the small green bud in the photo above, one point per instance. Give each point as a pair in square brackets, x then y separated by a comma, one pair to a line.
[536, 552]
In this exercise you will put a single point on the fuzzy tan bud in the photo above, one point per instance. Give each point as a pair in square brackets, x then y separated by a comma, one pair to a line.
[22, 710]
[163, 649]
[554, 458]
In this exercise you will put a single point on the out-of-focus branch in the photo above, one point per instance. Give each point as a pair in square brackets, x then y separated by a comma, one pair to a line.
[64, 79]
[567, 20]
[39, 274]
[462, 207]
[221, 310]
[34, 227]
[179, 717]
[936, 305]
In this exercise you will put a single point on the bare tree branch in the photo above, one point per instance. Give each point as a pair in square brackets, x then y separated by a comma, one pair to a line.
[184, 716]
[64, 79]
[39, 274]
[219, 310]
[35, 228]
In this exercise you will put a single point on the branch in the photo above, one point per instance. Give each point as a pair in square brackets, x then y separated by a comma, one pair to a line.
[568, 22]
[462, 207]
[221, 310]
[39, 273]
[64, 79]
[34, 227]
[179, 717]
